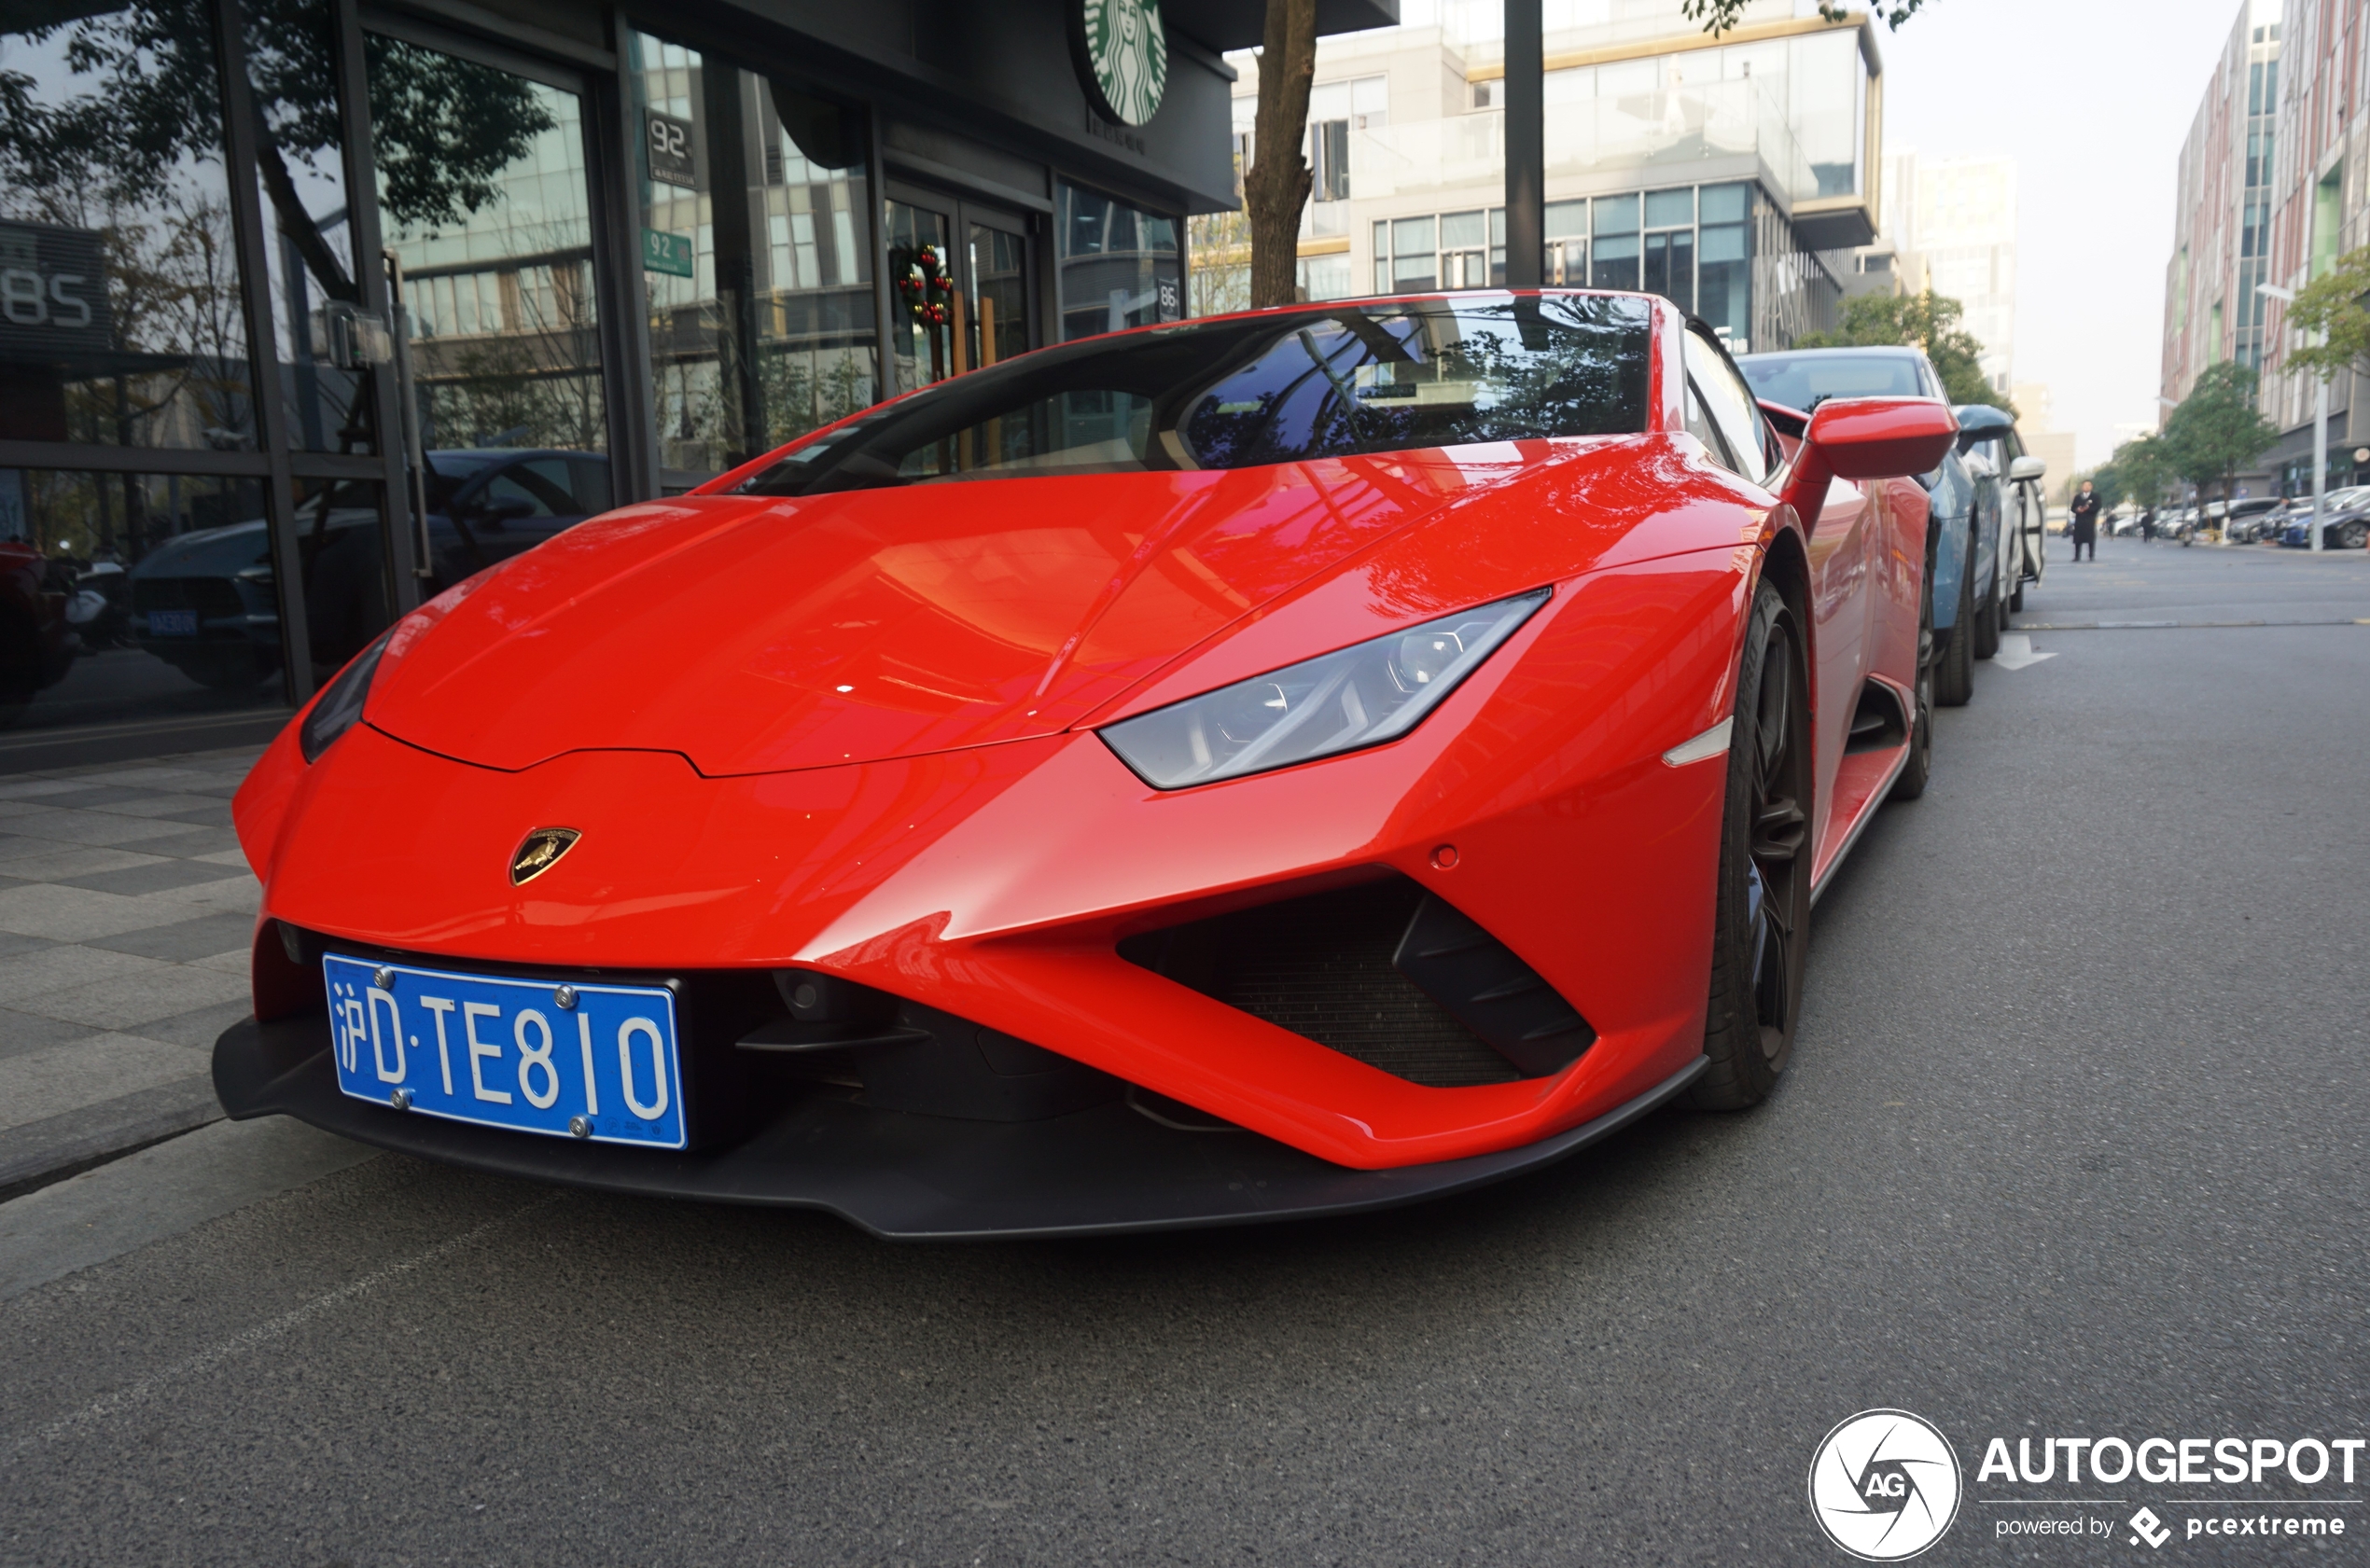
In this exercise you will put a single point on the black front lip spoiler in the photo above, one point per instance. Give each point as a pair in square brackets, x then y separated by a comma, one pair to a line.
[1106, 1171]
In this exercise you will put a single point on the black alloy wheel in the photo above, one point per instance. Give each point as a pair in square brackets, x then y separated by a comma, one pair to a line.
[1954, 671]
[1761, 920]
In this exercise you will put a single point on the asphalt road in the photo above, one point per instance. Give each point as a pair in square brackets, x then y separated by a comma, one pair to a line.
[2072, 1144]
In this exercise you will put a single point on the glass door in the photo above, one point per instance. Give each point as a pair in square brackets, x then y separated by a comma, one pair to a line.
[485, 207]
[963, 286]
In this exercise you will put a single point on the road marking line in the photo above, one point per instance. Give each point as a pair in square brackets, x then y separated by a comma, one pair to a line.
[131, 1394]
[2169, 625]
[2016, 652]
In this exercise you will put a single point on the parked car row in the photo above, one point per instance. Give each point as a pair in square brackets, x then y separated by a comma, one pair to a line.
[1989, 514]
[2263, 520]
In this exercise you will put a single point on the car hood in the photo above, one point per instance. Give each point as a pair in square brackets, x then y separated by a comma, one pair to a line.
[755, 634]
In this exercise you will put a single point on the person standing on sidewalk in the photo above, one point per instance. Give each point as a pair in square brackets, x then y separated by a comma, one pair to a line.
[2084, 509]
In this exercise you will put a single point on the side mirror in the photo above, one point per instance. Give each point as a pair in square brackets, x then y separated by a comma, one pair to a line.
[506, 508]
[1867, 438]
[1981, 421]
[2027, 467]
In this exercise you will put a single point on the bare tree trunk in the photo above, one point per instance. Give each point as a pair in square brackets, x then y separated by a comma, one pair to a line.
[1277, 187]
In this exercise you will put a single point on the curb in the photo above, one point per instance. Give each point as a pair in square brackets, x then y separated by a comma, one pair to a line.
[39, 1153]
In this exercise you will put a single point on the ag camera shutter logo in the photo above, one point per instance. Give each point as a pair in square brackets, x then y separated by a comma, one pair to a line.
[1884, 1485]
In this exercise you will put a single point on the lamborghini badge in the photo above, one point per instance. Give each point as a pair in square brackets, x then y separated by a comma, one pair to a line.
[540, 851]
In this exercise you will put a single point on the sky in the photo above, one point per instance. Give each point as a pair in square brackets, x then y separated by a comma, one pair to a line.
[2092, 98]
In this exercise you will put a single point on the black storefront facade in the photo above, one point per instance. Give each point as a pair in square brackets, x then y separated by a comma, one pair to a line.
[309, 308]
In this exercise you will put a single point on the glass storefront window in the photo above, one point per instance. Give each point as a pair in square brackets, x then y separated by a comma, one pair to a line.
[757, 257]
[120, 318]
[1119, 266]
[308, 246]
[483, 196]
[921, 265]
[133, 596]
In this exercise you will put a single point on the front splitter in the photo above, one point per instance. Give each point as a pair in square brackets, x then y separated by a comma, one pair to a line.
[1107, 1171]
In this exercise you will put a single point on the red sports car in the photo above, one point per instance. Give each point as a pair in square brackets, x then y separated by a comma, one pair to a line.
[1284, 763]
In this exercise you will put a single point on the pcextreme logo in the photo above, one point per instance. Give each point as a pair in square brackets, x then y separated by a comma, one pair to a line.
[1884, 1485]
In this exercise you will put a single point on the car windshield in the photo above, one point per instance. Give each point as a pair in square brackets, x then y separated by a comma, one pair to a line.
[1803, 380]
[1277, 387]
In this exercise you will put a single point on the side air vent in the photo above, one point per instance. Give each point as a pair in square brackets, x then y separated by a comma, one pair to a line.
[1383, 972]
[1877, 723]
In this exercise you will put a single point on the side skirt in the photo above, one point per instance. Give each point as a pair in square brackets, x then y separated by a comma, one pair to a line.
[1869, 776]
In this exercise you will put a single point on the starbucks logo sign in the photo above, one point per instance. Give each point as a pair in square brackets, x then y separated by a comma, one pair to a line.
[1123, 57]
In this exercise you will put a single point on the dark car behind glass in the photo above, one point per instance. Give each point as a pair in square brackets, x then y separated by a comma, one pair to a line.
[206, 602]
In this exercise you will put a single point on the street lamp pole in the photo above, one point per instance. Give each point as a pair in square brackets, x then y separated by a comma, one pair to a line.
[2319, 424]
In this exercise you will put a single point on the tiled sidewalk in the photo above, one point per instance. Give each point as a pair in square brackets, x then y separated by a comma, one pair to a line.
[125, 915]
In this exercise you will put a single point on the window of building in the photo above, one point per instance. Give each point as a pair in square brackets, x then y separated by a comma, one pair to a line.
[1119, 265]
[1567, 234]
[1326, 277]
[1414, 248]
[2327, 208]
[1827, 81]
[1449, 250]
[1616, 243]
[1670, 245]
[756, 257]
[1723, 254]
[1335, 109]
[1490, 94]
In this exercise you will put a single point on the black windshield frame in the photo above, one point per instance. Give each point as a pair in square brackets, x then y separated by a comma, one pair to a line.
[1587, 357]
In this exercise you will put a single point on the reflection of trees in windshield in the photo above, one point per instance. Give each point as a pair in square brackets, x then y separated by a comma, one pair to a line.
[1429, 375]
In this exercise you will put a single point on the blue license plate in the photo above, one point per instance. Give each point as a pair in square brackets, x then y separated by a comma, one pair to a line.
[172, 623]
[566, 1060]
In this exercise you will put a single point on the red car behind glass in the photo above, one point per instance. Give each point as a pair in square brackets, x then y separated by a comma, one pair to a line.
[37, 647]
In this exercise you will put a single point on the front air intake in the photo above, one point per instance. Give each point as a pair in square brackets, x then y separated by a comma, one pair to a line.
[1383, 972]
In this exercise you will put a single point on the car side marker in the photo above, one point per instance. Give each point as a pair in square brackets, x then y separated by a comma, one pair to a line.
[1712, 742]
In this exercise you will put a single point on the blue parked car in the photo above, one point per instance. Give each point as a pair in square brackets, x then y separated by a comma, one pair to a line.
[1971, 601]
[206, 602]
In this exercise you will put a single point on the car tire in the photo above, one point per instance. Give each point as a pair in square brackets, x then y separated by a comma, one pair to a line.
[1988, 615]
[2015, 604]
[1954, 671]
[1760, 921]
[2353, 537]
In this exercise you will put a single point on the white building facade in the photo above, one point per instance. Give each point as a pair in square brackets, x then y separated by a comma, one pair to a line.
[1717, 172]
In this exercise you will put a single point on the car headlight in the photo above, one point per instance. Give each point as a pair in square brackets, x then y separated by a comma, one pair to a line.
[340, 708]
[1360, 696]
